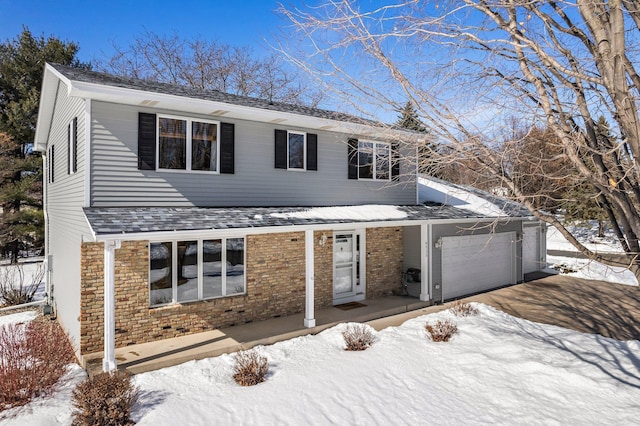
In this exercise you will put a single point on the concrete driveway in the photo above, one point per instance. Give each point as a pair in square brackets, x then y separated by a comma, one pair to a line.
[612, 310]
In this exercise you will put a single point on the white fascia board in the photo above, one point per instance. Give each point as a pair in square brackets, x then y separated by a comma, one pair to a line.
[48, 91]
[221, 110]
[240, 232]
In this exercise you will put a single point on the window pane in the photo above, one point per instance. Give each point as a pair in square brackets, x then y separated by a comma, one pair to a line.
[204, 146]
[212, 268]
[365, 160]
[187, 270]
[172, 143]
[235, 266]
[160, 291]
[296, 151]
[382, 161]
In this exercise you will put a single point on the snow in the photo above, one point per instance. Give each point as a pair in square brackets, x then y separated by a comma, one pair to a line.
[584, 268]
[498, 369]
[365, 212]
[30, 269]
[440, 192]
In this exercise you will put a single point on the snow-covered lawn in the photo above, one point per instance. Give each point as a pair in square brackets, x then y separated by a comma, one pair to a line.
[497, 370]
[585, 268]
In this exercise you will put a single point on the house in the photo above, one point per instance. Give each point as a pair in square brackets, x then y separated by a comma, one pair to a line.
[171, 211]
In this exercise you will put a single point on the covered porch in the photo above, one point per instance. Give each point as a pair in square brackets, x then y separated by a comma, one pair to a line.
[165, 353]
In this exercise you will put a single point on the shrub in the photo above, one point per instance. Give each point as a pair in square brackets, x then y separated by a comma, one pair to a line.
[105, 399]
[33, 357]
[463, 309]
[250, 368]
[358, 337]
[15, 288]
[441, 331]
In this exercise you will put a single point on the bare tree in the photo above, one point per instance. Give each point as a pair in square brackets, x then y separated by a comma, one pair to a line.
[210, 65]
[468, 64]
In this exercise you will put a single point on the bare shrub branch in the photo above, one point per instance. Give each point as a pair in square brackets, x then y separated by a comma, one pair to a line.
[358, 337]
[463, 309]
[441, 331]
[15, 287]
[249, 368]
[105, 399]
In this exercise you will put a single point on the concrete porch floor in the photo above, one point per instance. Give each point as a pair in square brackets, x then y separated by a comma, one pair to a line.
[155, 355]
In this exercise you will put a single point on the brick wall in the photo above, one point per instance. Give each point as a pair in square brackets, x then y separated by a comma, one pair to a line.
[384, 261]
[275, 287]
[275, 267]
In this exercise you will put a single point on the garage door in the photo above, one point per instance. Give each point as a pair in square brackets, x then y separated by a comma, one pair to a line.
[477, 263]
[531, 249]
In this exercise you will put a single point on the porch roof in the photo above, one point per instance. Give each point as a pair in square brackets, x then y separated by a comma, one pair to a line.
[138, 220]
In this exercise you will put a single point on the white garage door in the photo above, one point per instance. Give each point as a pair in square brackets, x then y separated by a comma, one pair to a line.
[476, 263]
[531, 249]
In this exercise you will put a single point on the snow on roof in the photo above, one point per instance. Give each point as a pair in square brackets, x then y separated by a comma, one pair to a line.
[366, 212]
[431, 189]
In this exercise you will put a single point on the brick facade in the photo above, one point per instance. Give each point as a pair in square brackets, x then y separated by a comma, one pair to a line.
[384, 261]
[275, 278]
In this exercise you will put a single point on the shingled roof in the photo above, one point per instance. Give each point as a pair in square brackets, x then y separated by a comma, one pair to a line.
[123, 220]
[94, 77]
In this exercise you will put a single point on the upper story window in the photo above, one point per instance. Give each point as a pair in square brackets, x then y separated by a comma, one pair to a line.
[373, 160]
[185, 144]
[72, 146]
[296, 150]
[297, 147]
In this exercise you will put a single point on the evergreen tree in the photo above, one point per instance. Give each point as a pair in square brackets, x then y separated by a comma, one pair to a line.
[21, 69]
[408, 119]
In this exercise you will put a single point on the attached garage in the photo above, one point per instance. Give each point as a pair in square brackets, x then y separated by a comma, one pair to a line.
[475, 263]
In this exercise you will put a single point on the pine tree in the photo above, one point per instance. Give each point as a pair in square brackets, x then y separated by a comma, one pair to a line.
[21, 69]
[409, 119]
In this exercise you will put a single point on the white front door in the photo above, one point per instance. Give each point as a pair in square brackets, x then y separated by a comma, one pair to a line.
[346, 267]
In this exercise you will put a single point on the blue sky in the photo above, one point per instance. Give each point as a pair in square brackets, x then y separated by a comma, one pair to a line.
[96, 25]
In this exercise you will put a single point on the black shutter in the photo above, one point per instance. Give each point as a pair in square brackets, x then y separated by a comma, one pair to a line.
[353, 158]
[74, 146]
[68, 149]
[312, 151]
[53, 163]
[227, 148]
[395, 161]
[146, 141]
[281, 149]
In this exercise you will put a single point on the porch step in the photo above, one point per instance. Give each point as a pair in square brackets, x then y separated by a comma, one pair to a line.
[165, 353]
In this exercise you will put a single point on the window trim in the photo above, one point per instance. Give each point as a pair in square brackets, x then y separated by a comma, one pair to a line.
[200, 268]
[188, 143]
[375, 160]
[304, 150]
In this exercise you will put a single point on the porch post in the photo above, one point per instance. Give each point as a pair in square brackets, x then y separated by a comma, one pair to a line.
[109, 360]
[425, 262]
[309, 319]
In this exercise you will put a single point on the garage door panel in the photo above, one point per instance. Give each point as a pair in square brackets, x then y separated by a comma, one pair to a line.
[476, 263]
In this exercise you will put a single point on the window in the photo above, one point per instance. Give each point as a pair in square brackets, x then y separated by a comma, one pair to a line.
[185, 144]
[373, 160]
[184, 271]
[52, 160]
[72, 146]
[296, 148]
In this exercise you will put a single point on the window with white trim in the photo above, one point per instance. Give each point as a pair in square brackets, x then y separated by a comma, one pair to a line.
[187, 144]
[186, 271]
[296, 150]
[374, 160]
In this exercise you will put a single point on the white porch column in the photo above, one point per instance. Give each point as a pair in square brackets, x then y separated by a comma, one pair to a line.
[425, 262]
[309, 315]
[109, 360]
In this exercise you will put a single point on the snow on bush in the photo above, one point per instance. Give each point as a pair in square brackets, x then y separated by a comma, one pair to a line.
[105, 399]
[441, 331]
[358, 337]
[249, 368]
[33, 357]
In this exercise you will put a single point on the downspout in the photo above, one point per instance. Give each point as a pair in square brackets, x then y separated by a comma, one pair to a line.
[109, 360]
